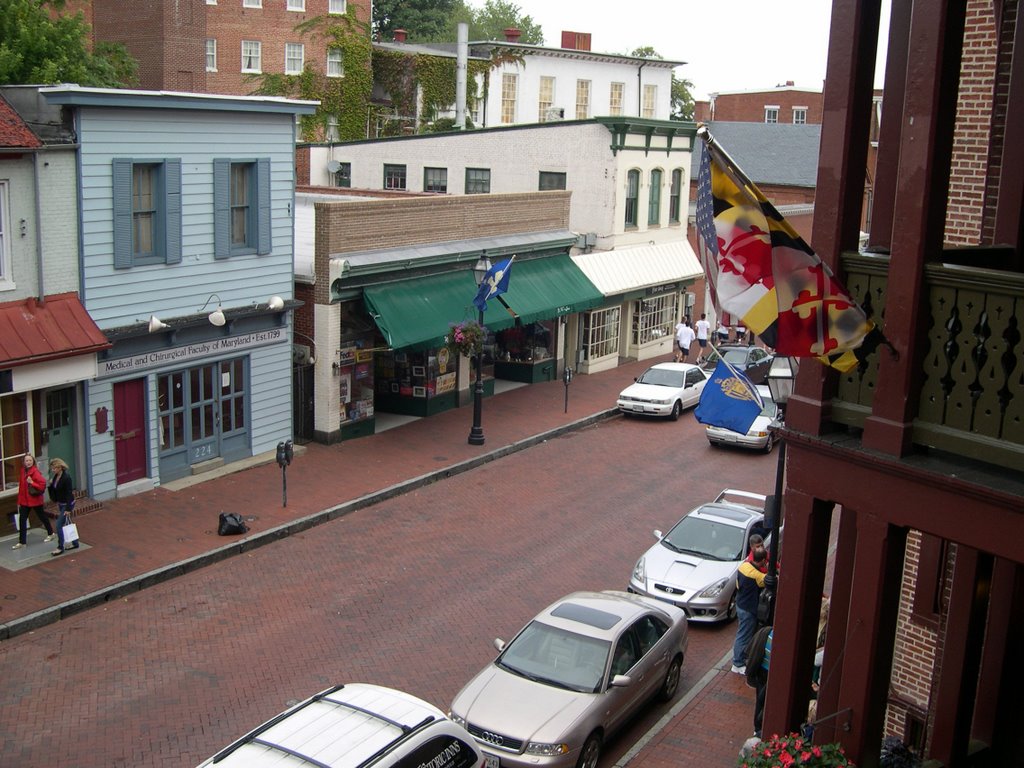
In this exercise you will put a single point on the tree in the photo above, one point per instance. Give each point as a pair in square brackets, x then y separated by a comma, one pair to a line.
[682, 99]
[423, 20]
[491, 21]
[42, 48]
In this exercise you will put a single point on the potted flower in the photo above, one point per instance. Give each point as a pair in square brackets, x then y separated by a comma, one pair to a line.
[466, 338]
[794, 750]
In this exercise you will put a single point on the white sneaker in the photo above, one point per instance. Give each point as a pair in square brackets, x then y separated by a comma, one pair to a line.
[18, 546]
[51, 537]
[739, 670]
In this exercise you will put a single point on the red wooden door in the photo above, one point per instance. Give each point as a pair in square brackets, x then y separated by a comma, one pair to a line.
[130, 429]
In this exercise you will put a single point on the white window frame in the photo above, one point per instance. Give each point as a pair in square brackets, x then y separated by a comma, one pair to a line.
[333, 132]
[211, 2]
[601, 333]
[616, 98]
[771, 113]
[289, 58]
[25, 426]
[295, 5]
[211, 54]
[335, 62]
[337, 6]
[6, 276]
[582, 99]
[650, 101]
[509, 97]
[252, 3]
[800, 115]
[258, 56]
[545, 97]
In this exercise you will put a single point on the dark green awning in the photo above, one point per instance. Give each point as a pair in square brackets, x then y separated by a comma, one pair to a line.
[416, 314]
[541, 289]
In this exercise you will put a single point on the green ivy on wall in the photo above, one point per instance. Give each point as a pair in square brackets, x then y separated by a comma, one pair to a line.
[343, 98]
[348, 99]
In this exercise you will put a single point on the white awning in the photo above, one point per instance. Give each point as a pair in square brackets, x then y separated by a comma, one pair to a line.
[628, 269]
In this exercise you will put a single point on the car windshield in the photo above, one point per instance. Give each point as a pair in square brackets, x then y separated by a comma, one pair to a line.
[705, 538]
[736, 356]
[770, 408]
[662, 377]
[557, 657]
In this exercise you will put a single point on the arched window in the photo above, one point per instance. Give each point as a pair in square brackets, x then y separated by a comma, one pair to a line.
[654, 199]
[674, 196]
[632, 195]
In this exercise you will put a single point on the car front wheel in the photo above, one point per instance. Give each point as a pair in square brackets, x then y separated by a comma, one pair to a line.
[671, 684]
[591, 752]
[677, 409]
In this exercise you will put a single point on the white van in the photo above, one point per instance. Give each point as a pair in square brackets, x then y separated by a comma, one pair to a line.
[355, 726]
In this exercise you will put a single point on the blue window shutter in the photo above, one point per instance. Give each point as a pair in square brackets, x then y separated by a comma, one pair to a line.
[122, 201]
[172, 210]
[263, 238]
[221, 208]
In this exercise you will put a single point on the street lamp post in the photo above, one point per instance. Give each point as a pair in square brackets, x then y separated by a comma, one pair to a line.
[476, 434]
[781, 377]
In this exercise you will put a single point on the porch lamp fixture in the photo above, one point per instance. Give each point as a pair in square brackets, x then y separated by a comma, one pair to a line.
[156, 324]
[275, 303]
[476, 434]
[217, 316]
[781, 378]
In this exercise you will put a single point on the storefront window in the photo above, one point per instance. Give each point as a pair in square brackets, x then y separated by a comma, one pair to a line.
[654, 318]
[526, 343]
[600, 333]
[14, 429]
[355, 379]
[419, 375]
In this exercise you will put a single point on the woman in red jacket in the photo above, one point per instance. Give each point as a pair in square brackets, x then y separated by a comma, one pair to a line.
[31, 478]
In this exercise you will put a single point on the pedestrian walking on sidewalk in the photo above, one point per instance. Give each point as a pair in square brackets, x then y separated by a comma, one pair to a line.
[703, 329]
[62, 493]
[31, 496]
[749, 583]
[684, 338]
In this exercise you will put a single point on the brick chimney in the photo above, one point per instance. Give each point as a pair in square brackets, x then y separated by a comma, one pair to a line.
[576, 41]
[512, 34]
[400, 35]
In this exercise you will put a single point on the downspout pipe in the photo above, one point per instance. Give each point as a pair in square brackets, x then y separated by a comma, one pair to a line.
[41, 299]
[461, 76]
[640, 89]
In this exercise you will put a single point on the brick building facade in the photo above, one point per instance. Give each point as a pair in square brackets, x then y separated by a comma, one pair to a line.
[211, 46]
[782, 104]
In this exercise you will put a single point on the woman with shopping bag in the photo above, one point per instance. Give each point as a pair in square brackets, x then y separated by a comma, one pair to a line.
[31, 495]
[63, 495]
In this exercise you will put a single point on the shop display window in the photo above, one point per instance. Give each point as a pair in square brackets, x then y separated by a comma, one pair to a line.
[355, 380]
[526, 343]
[601, 333]
[654, 318]
[422, 375]
[14, 432]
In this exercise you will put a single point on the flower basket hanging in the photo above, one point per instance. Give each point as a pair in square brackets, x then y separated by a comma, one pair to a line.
[794, 750]
[466, 338]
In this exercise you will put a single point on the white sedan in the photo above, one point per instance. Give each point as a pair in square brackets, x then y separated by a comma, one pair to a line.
[763, 433]
[665, 389]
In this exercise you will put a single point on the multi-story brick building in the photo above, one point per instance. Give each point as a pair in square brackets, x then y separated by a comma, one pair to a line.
[220, 46]
[781, 104]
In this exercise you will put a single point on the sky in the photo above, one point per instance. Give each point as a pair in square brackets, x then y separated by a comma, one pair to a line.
[729, 45]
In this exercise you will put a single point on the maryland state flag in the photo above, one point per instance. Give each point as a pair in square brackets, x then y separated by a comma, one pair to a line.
[760, 270]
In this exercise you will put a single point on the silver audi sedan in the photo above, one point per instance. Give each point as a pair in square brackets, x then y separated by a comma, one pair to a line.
[571, 677]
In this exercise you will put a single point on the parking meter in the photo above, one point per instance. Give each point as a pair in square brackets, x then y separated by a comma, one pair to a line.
[285, 453]
[566, 379]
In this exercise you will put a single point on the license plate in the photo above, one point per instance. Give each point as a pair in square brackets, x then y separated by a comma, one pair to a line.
[491, 761]
[638, 408]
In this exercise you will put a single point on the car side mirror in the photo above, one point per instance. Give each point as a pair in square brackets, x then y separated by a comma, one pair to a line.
[499, 644]
[636, 378]
[621, 681]
[657, 534]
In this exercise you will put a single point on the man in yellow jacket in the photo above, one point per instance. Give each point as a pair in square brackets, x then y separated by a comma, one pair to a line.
[749, 583]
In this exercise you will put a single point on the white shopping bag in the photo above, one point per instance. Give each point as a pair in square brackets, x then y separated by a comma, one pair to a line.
[70, 532]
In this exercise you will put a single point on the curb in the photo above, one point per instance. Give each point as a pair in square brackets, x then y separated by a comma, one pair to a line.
[55, 613]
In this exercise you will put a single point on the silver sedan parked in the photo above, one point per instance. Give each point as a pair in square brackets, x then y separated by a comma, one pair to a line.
[571, 677]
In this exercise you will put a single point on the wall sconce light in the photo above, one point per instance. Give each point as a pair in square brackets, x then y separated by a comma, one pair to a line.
[336, 367]
[156, 324]
[217, 316]
[275, 303]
